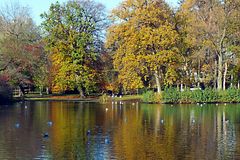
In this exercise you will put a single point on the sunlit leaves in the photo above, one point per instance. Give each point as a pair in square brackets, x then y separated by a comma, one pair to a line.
[70, 42]
[143, 40]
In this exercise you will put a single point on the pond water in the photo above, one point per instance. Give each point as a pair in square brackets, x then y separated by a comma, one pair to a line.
[131, 130]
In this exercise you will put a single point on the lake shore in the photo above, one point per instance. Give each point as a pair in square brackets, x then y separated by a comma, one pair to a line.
[76, 98]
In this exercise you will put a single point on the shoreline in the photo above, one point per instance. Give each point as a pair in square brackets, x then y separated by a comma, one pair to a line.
[96, 99]
[74, 98]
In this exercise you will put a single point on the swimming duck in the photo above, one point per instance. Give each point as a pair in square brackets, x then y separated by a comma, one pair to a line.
[50, 123]
[17, 125]
[45, 135]
[88, 132]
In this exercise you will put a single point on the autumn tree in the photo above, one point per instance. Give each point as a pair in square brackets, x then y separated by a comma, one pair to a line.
[72, 32]
[215, 27]
[18, 35]
[143, 40]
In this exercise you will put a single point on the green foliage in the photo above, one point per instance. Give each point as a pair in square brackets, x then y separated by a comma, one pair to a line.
[209, 95]
[230, 95]
[171, 95]
[151, 97]
[70, 42]
[187, 96]
[104, 99]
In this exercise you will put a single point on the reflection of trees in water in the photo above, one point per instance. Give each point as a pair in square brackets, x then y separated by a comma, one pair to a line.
[21, 142]
[125, 131]
[226, 136]
[178, 136]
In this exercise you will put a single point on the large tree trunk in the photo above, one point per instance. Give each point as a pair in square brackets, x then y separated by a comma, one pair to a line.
[215, 75]
[157, 77]
[225, 75]
[220, 68]
[220, 61]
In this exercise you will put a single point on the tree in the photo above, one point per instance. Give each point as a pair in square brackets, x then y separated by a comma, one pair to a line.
[215, 26]
[143, 41]
[71, 31]
[17, 34]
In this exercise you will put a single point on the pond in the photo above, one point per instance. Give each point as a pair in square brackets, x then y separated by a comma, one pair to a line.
[119, 130]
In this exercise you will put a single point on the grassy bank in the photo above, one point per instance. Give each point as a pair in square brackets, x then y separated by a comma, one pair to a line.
[56, 97]
[173, 95]
[37, 97]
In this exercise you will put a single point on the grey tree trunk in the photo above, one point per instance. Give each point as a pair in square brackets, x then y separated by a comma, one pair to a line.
[181, 88]
[157, 77]
[198, 74]
[215, 75]
[40, 91]
[231, 80]
[220, 61]
[225, 75]
[220, 75]
[47, 90]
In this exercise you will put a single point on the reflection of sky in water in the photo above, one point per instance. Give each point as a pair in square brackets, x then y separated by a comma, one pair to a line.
[125, 130]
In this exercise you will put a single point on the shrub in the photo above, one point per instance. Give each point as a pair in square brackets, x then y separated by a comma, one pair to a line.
[197, 96]
[151, 97]
[210, 95]
[171, 95]
[229, 95]
[186, 96]
[104, 99]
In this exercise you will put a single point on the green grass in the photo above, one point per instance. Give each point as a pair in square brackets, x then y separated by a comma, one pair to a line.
[67, 98]
[128, 97]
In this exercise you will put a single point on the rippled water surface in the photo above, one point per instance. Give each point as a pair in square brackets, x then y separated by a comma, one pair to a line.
[119, 131]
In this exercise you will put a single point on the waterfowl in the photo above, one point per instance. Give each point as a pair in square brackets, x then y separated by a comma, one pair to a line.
[45, 135]
[106, 141]
[50, 123]
[17, 125]
[88, 132]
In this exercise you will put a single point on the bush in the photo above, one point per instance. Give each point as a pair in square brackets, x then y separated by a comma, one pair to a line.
[186, 96]
[171, 95]
[210, 95]
[197, 96]
[229, 95]
[151, 97]
[104, 99]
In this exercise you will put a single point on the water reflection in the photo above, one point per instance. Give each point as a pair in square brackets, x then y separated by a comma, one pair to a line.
[119, 130]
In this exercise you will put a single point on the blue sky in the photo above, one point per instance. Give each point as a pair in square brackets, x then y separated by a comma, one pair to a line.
[39, 6]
